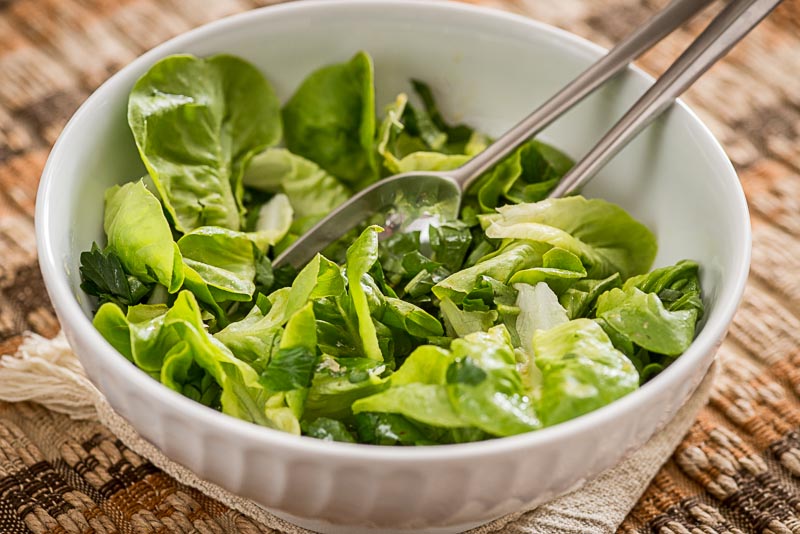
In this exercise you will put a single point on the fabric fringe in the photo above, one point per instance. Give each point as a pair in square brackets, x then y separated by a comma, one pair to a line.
[47, 372]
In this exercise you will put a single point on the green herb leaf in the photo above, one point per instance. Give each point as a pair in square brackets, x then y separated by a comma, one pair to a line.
[289, 369]
[328, 430]
[465, 372]
[103, 276]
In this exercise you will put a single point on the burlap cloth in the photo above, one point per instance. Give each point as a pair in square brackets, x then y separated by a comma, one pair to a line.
[736, 470]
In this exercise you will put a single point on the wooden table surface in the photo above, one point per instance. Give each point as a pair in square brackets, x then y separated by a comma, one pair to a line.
[738, 468]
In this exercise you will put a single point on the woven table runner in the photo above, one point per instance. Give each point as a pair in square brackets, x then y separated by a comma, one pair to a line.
[737, 469]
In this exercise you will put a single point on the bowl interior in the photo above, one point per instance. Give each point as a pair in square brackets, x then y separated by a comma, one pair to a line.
[486, 70]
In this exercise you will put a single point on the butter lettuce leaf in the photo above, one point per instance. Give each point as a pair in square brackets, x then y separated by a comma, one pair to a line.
[474, 385]
[197, 122]
[361, 255]
[273, 222]
[426, 403]
[288, 374]
[539, 309]
[389, 429]
[500, 266]
[642, 318]
[560, 269]
[678, 286]
[653, 317]
[417, 390]
[603, 235]
[256, 337]
[413, 319]
[389, 130]
[328, 429]
[579, 299]
[330, 120]
[338, 383]
[312, 191]
[485, 387]
[140, 236]
[430, 161]
[223, 259]
[581, 371]
[169, 342]
[527, 175]
[461, 323]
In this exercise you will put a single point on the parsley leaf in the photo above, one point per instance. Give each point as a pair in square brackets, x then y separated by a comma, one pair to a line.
[103, 276]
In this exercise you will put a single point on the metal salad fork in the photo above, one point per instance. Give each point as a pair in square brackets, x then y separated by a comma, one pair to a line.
[414, 200]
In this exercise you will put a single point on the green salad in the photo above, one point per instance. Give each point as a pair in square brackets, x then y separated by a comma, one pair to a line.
[523, 313]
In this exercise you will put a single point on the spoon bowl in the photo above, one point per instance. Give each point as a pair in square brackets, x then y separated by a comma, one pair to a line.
[402, 203]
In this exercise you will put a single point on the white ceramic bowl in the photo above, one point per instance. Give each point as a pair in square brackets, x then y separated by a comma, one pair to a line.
[490, 68]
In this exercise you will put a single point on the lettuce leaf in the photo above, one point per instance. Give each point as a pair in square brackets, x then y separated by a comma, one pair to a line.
[474, 385]
[338, 383]
[331, 120]
[642, 318]
[603, 235]
[539, 309]
[328, 429]
[273, 222]
[430, 161]
[430, 124]
[312, 192]
[388, 429]
[461, 323]
[140, 236]
[560, 269]
[653, 318]
[485, 387]
[417, 390]
[177, 335]
[678, 286]
[449, 244]
[580, 298]
[426, 403]
[224, 261]
[288, 374]
[197, 122]
[501, 266]
[412, 138]
[527, 175]
[388, 132]
[361, 255]
[255, 337]
[581, 371]
[410, 318]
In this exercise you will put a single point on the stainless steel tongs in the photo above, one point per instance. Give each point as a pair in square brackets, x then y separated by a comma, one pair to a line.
[417, 199]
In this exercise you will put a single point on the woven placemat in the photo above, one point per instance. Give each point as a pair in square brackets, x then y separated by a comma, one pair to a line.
[738, 468]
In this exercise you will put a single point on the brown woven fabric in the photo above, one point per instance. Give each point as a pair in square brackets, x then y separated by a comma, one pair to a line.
[62, 476]
[737, 470]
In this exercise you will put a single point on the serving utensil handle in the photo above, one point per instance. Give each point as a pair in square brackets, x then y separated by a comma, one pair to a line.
[630, 48]
[727, 29]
